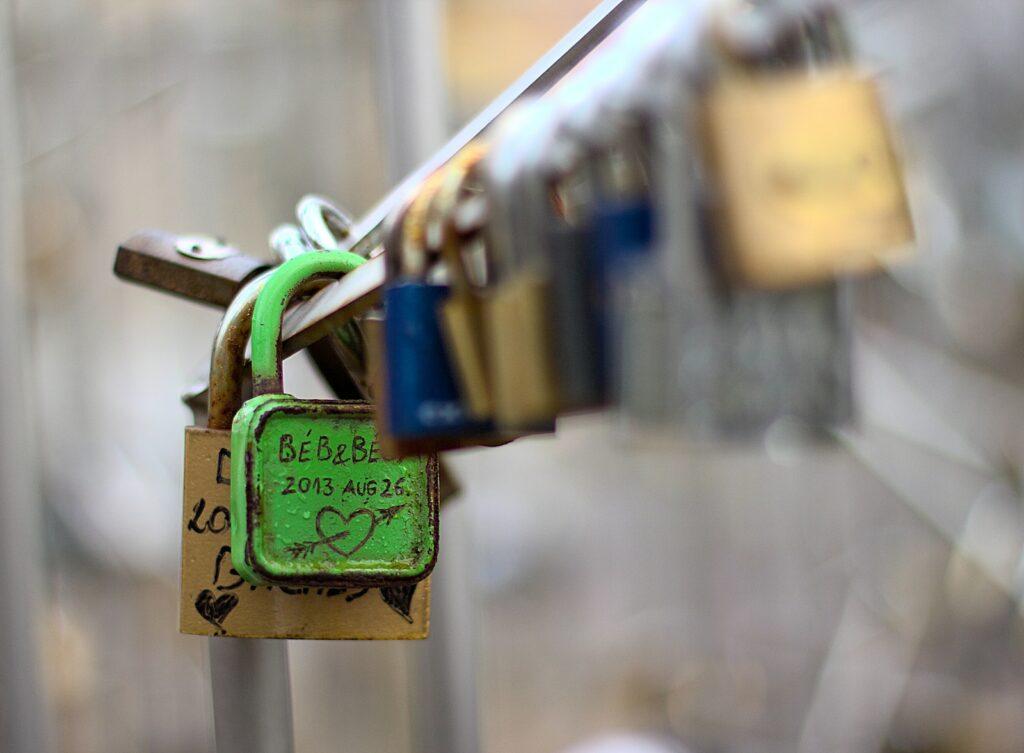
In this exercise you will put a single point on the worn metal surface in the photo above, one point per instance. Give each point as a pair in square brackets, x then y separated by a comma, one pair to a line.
[307, 506]
[225, 393]
[227, 366]
[214, 600]
[153, 258]
[320, 506]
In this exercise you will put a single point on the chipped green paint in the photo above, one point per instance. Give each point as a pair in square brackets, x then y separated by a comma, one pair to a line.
[313, 503]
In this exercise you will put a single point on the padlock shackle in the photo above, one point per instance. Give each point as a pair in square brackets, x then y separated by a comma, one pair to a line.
[268, 313]
[413, 260]
[323, 224]
[227, 364]
[801, 38]
[408, 232]
[287, 241]
[393, 233]
[440, 213]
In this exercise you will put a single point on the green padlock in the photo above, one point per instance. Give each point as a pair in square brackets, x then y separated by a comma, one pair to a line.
[313, 502]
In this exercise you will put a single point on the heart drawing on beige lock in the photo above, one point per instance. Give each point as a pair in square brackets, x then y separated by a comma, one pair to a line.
[341, 533]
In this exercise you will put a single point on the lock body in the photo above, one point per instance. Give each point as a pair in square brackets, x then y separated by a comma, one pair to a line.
[623, 241]
[215, 601]
[623, 234]
[318, 505]
[807, 183]
[462, 326]
[521, 363]
[751, 358]
[422, 390]
[576, 325]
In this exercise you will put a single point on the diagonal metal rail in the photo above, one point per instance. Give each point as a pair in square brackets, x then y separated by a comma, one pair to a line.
[360, 290]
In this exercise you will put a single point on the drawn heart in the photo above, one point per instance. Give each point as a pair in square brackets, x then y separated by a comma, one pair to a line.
[332, 526]
[215, 610]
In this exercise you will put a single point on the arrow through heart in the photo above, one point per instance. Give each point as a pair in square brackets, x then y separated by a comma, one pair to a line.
[338, 532]
[330, 518]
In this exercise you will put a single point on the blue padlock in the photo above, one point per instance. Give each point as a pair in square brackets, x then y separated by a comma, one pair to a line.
[623, 236]
[423, 396]
[602, 235]
[623, 243]
[576, 321]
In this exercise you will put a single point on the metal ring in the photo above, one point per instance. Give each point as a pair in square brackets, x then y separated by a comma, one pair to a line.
[323, 224]
[288, 241]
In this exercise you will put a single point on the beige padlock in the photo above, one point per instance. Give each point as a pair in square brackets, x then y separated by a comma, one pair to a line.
[520, 362]
[804, 181]
[215, 601]
[461, 315]
[516, 309]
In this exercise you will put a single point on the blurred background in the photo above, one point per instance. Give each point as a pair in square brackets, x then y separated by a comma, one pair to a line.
[862, 596]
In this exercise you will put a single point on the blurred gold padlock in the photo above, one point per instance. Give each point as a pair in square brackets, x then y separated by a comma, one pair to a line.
[805, 184]
[517, 310]
[519, 359]
[461, 314]
[462, 324]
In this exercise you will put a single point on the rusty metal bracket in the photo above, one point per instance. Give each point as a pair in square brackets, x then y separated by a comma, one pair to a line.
[201, 269]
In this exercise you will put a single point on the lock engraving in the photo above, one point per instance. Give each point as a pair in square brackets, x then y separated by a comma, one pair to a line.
[322, 499]
[216, 601]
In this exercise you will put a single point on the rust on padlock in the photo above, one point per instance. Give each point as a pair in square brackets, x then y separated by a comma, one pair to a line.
[214, 599]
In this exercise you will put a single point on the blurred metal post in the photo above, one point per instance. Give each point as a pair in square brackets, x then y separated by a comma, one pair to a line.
[410, 81]
[252, 701]
[415, 112]
[24, 709]
[249, 681]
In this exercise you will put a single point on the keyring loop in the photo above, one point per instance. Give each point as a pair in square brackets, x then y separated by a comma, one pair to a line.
[323, 224]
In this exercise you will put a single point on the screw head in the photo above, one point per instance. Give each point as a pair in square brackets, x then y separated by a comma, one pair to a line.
[203, 247]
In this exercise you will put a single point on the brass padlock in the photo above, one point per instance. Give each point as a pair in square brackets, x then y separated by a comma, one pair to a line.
[461, 314]
[516, 309]
[804, 180]
[516, 319]
[214, 599]
[736, 359]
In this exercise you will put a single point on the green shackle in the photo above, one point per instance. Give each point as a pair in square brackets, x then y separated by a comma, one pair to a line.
[268, 314]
